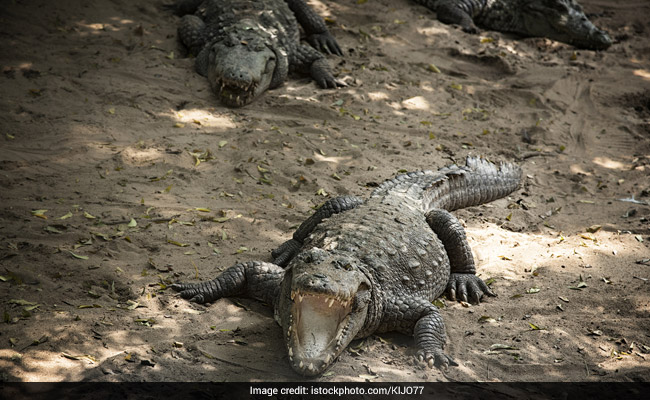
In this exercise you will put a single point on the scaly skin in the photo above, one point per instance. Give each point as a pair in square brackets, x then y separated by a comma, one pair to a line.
[358, 267]
[245, 47]
[561, 20]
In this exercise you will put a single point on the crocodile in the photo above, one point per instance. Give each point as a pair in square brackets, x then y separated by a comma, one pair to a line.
[357, 266]
[244, 47]
[561, 20]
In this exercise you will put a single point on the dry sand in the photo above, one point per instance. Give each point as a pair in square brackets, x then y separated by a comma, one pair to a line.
[103, 121]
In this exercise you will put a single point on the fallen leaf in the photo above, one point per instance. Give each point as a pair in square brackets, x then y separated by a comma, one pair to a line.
[86, 356]
[78, 256]
[498, 346]
[175, 243]
[368, 377]
[433, 68]
[51, 229]
[21, 302]
[132, 305]
[39, 213]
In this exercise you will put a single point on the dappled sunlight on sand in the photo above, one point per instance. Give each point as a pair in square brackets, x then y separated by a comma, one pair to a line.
[433, 31]
[577, 169]
[201, 117]
[416, 103]
[645, 74]
[608, 163]
[335, 160]
[378, 96]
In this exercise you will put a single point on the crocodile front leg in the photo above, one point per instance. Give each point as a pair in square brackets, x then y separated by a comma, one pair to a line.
[306, 59]
[190, 32]
[317, 33]
[462, 281]
[256, 279]
[417, 316]
[285, 252]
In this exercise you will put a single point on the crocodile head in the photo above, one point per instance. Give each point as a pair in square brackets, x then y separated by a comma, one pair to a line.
[564, 21]
[240, 70]
[324, 303]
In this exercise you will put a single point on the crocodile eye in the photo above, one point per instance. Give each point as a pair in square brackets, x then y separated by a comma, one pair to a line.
[348, 267]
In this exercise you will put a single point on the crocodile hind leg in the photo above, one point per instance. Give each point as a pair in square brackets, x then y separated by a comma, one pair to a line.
[417, 316]
[463, 283]
[256, 279]
[285, 252]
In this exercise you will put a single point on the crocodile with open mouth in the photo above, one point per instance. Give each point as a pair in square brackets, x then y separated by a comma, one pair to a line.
[357, 267]
[245, 47]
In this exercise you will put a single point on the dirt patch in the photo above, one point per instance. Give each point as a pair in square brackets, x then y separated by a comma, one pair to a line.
[119, 173]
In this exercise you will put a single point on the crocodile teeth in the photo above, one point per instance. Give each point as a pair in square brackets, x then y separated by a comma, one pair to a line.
[293, 295]
[328, 358]
[331, 302]
[300, 298]
[301, 365]
[290, 352]
[311, 366]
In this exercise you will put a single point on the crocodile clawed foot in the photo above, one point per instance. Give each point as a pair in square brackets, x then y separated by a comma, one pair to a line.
[467, 288]
[436, 358]
[471, 30]
[190, 291]
[339, 83]
[325, 42]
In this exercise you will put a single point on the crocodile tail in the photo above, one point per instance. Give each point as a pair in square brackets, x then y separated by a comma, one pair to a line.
[479, 181]
[183, 7]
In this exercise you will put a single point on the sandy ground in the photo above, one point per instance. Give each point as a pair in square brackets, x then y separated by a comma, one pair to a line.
[147, 180]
